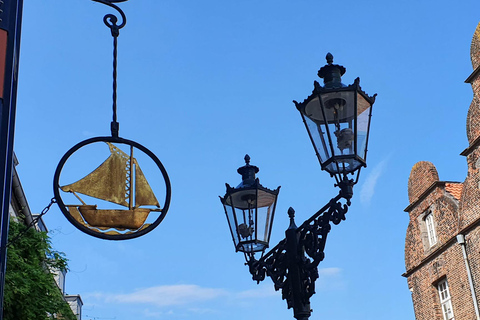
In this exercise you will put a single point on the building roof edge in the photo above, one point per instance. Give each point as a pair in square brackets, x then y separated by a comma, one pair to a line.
[473, 75]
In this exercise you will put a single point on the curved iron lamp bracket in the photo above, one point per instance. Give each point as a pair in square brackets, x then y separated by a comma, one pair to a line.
[292, 263]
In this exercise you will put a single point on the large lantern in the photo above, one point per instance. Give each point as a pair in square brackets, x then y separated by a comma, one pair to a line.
[337, 118]
[250, 209]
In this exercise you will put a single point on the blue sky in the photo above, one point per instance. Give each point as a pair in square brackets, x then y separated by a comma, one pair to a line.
[202, 83]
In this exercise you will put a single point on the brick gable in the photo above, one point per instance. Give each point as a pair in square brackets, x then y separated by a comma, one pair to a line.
[455, 210]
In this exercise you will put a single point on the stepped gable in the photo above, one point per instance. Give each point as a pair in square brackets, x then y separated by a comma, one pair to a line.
[470, 199]
[473, 117]
[422, 176]
[475, 48]
[473, 121]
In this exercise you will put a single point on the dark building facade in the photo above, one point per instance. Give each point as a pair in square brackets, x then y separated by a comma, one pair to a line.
[442, 245]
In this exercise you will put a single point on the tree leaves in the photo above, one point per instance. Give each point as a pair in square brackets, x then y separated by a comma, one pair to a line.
[30, 288]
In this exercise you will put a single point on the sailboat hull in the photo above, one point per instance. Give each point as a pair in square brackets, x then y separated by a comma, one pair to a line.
[110, 218]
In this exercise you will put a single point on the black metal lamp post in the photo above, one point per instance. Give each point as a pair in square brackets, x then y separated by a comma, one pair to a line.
[337, 119]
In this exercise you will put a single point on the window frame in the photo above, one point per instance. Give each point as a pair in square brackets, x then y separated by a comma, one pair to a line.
[430, 226]
[445, 300]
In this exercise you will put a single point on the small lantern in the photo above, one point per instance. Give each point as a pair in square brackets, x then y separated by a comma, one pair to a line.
[337, 118]
[250, 209]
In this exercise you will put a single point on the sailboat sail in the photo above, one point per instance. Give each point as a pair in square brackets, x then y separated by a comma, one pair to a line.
[143, 192]
[107, 182]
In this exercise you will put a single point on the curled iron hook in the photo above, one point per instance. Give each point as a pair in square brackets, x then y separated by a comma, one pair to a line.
[111, 20]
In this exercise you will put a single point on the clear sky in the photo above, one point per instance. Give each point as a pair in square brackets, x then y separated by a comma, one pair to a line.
[202, 83]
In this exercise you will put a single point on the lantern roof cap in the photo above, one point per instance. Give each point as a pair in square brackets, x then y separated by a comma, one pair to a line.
[248, 173]
[332, 73]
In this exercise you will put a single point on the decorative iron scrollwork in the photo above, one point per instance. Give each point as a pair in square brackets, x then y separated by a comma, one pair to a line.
[337, 212]
[275, 265]
[111, 20]
[310, 242]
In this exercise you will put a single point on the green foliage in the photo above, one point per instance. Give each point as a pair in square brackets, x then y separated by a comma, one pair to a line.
[30, 289]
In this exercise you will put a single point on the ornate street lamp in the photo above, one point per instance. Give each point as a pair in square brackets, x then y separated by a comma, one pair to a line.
[250, 208]
[337, 118]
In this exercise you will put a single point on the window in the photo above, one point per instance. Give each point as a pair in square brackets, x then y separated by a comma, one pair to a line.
[445, 300]
[432, 237]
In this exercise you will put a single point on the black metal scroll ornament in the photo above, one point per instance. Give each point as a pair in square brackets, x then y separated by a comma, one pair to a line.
[293, 263]
[132, 206]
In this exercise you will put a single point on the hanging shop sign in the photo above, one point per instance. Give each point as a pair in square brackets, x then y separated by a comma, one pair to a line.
[110, 187]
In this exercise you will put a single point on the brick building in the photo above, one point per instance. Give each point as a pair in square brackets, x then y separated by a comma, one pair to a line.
[442, 245]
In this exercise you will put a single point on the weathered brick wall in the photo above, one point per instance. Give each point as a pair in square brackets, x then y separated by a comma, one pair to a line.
[423, 300]
[422, 176]
[470, 200]
[413, 245]
[458, 283]
[472, 239]
[473, 115]
[475, 48]
[470, 203]
[423, 284]
[439, 202]
[446, 217]
[444, 208]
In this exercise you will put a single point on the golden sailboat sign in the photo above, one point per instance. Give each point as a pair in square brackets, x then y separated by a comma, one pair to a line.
[118, 180]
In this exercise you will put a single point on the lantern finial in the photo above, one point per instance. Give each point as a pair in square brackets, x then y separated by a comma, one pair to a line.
[247, 159]
[329, 58]
[332, 73]
[291, 215]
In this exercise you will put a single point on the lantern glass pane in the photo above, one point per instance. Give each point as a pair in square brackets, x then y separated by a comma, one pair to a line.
[264, 218]
[343, 166]
[248, 224]
[230, 213]
[337, 106]
[340, 113]
[363, 122]
[319, 137]
[246, 230]
[333, 129]
[342, 136]
[241, 223]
